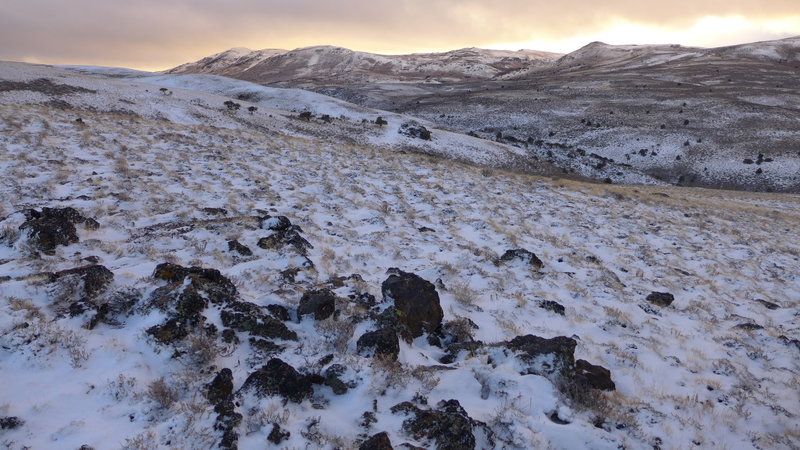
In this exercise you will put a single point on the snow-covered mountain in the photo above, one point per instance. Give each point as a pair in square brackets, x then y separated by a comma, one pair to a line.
[328, 63]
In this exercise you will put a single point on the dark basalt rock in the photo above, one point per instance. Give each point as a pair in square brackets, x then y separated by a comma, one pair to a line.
[523, 255]
[216, 286]
[416, 302]
[279, 312]
[381, 342]
[11, 423]
[662, 299]
[333, 379]
[552, 306]
[250, 318]
[284, 233]
[379, 441]
[554, 358]
[448, 424]
[95, 279]
[221, 388]
[236, 246]
[595, 377]
[170, 331]
[186, 301]
[52, 227]
[278, 435]
[279, 378]
[321, 303]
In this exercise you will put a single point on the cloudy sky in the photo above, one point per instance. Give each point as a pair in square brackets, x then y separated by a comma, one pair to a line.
[158, 34]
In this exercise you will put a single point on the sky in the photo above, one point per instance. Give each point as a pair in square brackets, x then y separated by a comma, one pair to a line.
[160, 34]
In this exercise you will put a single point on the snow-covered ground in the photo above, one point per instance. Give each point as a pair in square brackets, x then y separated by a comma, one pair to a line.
[718, 368]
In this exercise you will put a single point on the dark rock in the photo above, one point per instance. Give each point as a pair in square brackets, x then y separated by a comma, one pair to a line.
[333, 379]
[186, 301]
[448, 424]
[250, 318]
[284, 233]
[221, 388]
[749, 326]
[522, 255]
[216, 287]
[52, 227]
[768, 305]
[595, 377]
[278, 435]
[552, 306]
[662, 299]
[415, 131]
[170, 331]
[236, 246]
[382, 343]
[279, 312]
[416, 302]
[379, 441]
[11, 423]
[279, 378]
[554, 358]
[227, 422]
[95, 279]
[229, 337]
[320, 302]
[426, 230]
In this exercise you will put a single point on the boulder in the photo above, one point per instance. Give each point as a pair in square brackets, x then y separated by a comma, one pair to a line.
[416, 302]
[379, 441]
[520, 254]
[662, 299]
[279, 378]
[321, 303]
[595, 377]
[448, 424]
[52, 227]
[381, 342]
[553, 358]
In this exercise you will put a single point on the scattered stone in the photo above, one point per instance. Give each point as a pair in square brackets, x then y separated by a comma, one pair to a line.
[279, 312]
[284, 233]
[550, 305]
[662, 299]
[448, 424]
[278, 435]
[416, 302]
[279, 378]
[333, 379]
[11, 423]
[95, 279]
[379, 441]
[381, 342]
[236, 246]
[221, 388]
[553, 358]
[250, 318]
[595, 377]
[768, 305]
[52, 227]
[321, 303]
[522, 255]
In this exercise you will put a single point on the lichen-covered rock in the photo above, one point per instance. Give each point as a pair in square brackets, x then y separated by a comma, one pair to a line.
[379, 441]
[523, 255]
[321, 303]
[553, 358]
[448, 424]
[52, 227]
[416, 302]
[279, 378]
[662, 299]
[250, 318]
[383, 343]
